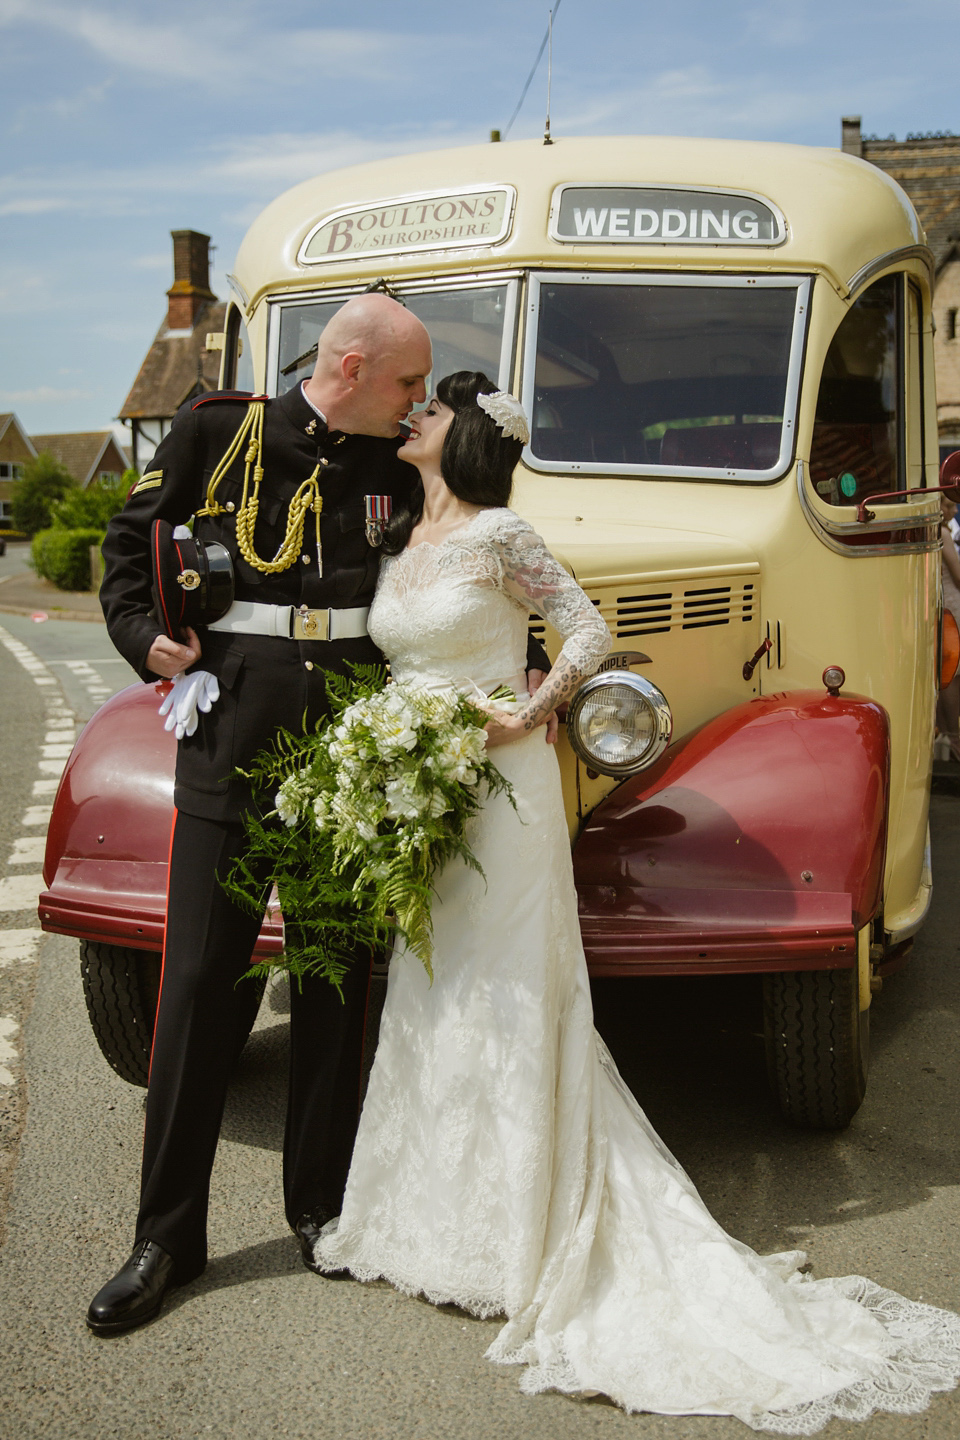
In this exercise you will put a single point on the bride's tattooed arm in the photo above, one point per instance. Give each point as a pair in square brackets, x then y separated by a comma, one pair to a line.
[531, 575]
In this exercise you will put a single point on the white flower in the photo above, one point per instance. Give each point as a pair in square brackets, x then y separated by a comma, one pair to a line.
[460, 752]
[321, 811]
[292, 797]
[395, 731]
[402, 800]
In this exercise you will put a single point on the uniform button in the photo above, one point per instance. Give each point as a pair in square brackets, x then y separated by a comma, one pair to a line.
[324, 460]
[305, 559]
[230, 506]
[308, 664]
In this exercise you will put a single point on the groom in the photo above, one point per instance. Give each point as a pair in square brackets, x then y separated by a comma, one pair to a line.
[342, 426]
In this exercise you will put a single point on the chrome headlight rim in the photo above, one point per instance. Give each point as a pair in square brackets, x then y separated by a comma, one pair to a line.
[654, 700]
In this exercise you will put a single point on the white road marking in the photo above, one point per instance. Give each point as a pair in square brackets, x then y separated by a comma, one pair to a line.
[19, 947]
[44, 787]
[55, 752]
[50, 767]
[37, 815]
[28, 850]
[7, 1051]
[57, 737]
[20, 892]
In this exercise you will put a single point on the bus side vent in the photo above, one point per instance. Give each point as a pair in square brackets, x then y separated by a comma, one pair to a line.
[710, 606]
[644, 614]
[747, 603]
[536, 626]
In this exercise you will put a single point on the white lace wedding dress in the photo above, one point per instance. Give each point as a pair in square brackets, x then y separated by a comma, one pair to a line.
[501, 1163]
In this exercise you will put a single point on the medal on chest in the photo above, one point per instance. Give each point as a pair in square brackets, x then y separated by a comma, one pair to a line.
[378, 509]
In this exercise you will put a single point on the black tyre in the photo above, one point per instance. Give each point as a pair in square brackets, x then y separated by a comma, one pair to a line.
[121, 988]
[818, 1046]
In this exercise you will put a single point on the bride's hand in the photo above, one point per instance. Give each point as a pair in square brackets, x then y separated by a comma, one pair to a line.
[503, 727]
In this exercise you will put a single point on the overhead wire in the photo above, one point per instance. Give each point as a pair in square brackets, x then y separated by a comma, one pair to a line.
[543, 46]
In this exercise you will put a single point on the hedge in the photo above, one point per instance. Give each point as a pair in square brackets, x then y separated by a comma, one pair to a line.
[63, 556]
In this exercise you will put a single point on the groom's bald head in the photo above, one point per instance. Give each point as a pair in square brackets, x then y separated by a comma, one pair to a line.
[373, 359]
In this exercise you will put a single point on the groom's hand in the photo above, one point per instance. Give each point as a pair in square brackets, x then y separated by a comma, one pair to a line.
[535, 679]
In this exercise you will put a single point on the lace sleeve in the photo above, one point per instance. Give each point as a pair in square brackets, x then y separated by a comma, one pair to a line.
[539, 582]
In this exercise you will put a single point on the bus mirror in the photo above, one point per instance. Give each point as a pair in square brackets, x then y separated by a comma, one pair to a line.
[950, 477]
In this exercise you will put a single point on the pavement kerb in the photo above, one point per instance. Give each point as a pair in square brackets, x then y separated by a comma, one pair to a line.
[25, 594]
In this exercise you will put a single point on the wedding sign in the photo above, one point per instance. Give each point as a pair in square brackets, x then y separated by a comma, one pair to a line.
[647, 215]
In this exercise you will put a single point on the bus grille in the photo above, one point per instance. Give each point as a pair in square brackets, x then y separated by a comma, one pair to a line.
[657, 612]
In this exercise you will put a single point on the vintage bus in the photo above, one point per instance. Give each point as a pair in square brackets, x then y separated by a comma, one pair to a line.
[725, 353]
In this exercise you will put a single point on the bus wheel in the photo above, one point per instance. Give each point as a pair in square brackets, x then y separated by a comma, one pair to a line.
[818, 1045]
[121, 987]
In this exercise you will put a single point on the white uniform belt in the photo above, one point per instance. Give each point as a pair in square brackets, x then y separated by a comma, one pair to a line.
[293, 622]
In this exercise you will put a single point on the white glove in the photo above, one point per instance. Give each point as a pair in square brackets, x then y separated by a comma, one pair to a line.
[187, 695]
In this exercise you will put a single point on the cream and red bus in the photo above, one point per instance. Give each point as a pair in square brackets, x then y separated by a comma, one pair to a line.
[725, 353]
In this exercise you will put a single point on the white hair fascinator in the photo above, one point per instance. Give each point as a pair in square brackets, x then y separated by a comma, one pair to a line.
[506, 411]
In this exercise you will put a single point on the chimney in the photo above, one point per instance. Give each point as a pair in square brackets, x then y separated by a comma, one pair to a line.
[190, 290]
[850, 141]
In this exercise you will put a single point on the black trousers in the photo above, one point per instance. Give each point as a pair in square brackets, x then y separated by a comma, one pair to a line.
[203, 1019]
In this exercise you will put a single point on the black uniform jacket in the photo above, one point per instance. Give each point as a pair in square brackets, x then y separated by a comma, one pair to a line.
[266, 683]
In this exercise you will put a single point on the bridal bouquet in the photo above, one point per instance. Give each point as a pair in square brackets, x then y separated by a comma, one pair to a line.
[373, 804]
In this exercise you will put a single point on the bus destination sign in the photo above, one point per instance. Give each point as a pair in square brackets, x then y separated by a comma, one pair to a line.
[444, 221]
[650, 215]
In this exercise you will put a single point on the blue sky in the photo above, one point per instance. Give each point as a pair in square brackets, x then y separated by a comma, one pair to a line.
[123, 120]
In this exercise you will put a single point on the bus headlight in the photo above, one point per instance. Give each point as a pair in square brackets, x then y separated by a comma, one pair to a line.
[619, 723]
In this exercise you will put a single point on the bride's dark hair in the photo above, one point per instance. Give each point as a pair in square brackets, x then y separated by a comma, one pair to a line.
[477, 461]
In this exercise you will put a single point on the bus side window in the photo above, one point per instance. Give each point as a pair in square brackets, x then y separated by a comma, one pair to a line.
[916, 398]
[238, 357]
[858, 433]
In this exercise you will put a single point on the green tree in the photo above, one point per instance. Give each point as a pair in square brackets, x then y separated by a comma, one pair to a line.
[90, 508]
[44, 481]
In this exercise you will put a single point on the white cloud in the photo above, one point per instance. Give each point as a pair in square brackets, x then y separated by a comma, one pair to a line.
[31, 205]
[203, 48]
[256, 168]
[151, 262]
[43, 395]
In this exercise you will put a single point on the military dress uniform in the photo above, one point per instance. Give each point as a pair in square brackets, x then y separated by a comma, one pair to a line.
[267, 682]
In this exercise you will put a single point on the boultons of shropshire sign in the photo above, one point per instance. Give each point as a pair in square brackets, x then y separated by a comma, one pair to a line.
[662, 215]
[443, 221]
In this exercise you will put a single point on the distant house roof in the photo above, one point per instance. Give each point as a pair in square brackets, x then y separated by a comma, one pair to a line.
[177, 365]
[85, 453]
[8, 419]
[928, 168]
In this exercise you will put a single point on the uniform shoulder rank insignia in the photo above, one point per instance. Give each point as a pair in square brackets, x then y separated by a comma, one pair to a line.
[378, 508]
[150, 481]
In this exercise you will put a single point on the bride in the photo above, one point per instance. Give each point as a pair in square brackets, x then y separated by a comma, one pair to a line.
[501, 1163]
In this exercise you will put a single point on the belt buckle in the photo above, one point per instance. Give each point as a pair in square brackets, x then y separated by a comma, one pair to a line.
[310, 624]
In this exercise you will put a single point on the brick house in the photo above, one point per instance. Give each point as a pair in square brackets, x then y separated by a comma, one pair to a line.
[178, 365]
[87, 455]
[16, 448]
[928, 169]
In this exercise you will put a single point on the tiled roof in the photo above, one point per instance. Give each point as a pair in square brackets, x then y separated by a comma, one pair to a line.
[175, 365]
[7, 419]
[84, 453]
[929, 171]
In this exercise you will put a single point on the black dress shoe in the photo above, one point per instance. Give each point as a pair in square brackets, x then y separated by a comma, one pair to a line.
[307, 1231]
[135, 1293]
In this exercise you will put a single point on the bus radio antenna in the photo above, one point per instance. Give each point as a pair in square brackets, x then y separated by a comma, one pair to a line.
[546, 132]
[544, 43]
